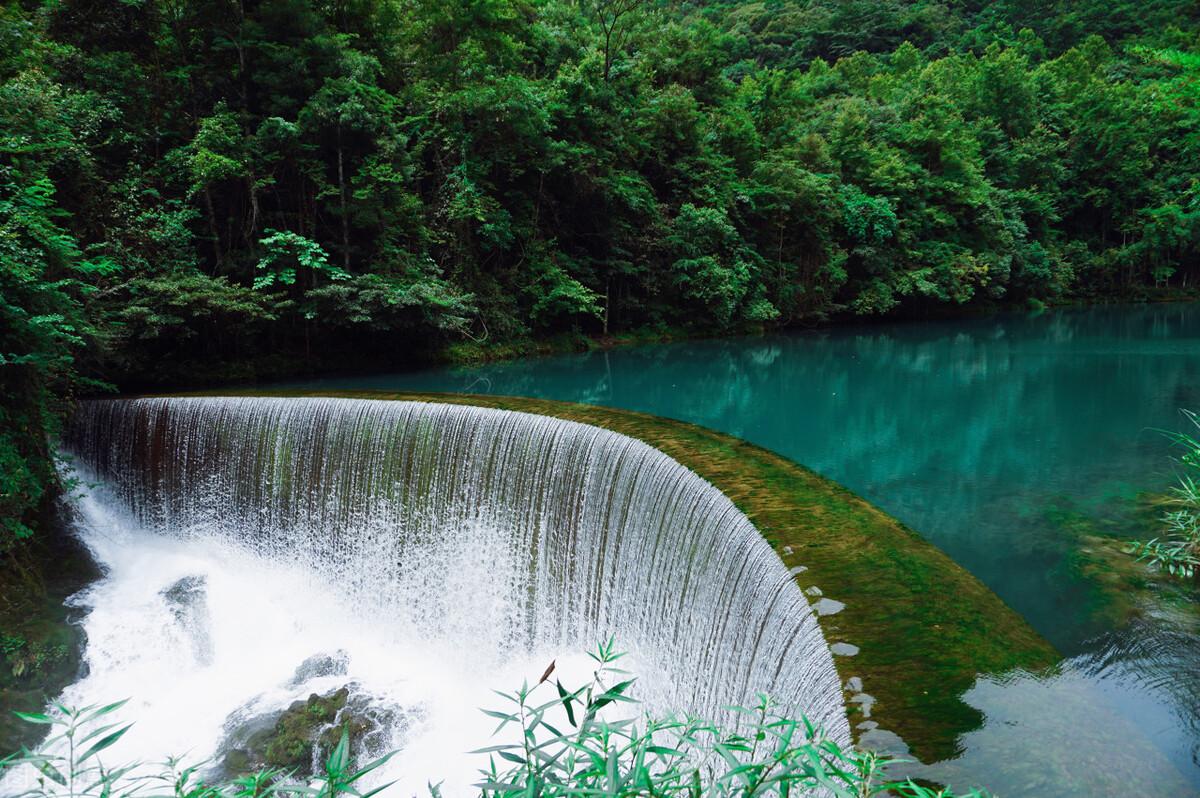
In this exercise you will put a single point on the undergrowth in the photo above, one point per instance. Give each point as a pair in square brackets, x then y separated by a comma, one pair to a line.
[1177, 549]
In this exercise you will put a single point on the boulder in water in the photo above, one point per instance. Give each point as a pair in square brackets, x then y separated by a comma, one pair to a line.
[187, 600]
[319, 665]
[299, 737]
[185, 594]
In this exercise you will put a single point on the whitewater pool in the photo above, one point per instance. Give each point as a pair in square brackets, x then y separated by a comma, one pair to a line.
[1015, 443]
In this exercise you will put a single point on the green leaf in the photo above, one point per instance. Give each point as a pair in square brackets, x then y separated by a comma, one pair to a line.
[104, 742]
[50, 772]
[35, 717]
[567, 702]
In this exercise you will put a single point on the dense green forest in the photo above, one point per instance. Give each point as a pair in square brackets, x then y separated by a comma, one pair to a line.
[201, 188]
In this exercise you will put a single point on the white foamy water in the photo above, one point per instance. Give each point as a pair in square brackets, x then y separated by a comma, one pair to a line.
[433, 552]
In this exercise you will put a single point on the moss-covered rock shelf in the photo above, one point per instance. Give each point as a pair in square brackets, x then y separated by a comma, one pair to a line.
[40, 645]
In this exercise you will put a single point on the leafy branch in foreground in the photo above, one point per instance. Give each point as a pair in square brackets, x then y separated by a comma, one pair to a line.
[568, 748]
[567, 742]
[1177, 550]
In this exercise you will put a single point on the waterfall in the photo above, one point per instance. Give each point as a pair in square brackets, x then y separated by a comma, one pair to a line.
[471, 537]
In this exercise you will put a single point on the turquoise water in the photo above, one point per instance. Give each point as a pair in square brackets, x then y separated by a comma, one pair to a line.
[997, 439]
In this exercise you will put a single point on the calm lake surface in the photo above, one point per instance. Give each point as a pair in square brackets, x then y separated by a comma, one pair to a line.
[1018, 444]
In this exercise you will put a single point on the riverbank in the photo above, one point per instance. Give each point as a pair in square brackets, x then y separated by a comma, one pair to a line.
[478, 352]
[334, 361]
[41, 563]
[41, 645]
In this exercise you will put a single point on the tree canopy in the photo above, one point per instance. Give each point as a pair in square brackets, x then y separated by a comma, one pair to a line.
[221, 182]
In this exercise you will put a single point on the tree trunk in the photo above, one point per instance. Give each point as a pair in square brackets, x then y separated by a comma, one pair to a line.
[342, 193]
[607, 284]
[252, 233]
[212, 228]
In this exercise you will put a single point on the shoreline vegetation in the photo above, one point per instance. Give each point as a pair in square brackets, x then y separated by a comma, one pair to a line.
[469, 353]
[923, 627]
[1176, 550]
[41, 644]
[249, 373]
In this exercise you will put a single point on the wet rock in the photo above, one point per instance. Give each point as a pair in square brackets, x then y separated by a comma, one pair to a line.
[298, 738]
[187, 601]
[284, 739]
[828, 606]
[843, 649]
[185, 593]
[865, 702]
[371, 727]
[319, 665]
[883, 741]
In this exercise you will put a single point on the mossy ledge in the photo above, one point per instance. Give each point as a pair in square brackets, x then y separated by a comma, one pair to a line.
[924, 627]
[41, 642]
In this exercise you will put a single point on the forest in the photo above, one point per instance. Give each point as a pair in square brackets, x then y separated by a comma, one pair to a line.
[202, 190]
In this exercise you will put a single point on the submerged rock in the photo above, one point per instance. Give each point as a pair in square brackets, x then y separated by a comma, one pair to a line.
[828, 606]
[844, 649]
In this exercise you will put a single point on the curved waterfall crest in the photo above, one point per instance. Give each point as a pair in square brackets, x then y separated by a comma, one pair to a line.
[484, 531]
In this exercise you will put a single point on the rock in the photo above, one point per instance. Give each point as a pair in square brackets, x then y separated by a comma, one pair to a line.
[187, 600]
[298, 738]
[185, 593]
[864, 701]
[319, 665]
[370, 726]
[882, 741]
[828, 606]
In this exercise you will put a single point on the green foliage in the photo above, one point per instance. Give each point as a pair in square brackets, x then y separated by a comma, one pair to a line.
[288, 254]
[570, 746]
[417, 298]
[1177, 550]
[714, 270]
[25, 659]
[70, 763]
[21, 489]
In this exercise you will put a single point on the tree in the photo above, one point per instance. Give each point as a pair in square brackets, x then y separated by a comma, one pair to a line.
[615, 18]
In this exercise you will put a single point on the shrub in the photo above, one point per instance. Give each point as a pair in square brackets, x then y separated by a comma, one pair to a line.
[1177, 550]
